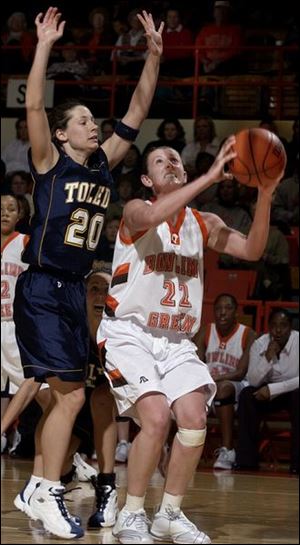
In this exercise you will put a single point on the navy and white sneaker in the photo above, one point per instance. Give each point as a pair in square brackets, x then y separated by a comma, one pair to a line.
[106, 504]
[49, 507]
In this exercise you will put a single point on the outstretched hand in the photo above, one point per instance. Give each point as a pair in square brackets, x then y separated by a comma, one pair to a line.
[225, 155]
[49, 29]
[153, 36]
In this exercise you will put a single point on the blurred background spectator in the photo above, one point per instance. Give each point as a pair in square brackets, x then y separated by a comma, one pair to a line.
[14, 154]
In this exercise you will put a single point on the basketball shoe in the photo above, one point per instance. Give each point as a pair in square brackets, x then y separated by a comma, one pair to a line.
[84, 471]
[132, 527]
[122, 451]
[225, 458]
[106, 501]
[172, 525]
[48, 505]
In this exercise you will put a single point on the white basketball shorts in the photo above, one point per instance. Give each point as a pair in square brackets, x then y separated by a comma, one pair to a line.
[140, 360]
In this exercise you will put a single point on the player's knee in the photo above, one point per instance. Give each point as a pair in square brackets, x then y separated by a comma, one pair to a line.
[191, 438]
[229, 400]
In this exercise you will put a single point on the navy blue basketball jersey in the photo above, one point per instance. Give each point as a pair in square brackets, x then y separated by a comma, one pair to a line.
[70, 202]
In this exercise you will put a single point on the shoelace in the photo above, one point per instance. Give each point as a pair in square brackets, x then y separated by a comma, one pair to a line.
[140, 519]
[59, 497]
[103, 493]
[178, 515]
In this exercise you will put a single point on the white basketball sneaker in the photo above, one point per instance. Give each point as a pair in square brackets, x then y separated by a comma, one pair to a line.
[122, 450]
[225, 458]
[84, 471]
[132, 527]
[172, 525]
[49, 507]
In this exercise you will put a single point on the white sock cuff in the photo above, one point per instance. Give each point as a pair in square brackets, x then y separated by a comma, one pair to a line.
[134, 503]
[34, 479]
[171, 501]
[45, 484]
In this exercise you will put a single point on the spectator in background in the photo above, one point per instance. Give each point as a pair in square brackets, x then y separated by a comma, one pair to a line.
[107, 242]
[285, 206]
[205, 140]
[128, 60]
[14, 154]
[132, 162]
[226, 36]
[21, 186]
[177, 62]
[227, 208]
[69, 67]
[273, 375]
[125, 189]
[170, 133]
[107, 128]
[17, 61]
[204, 161]
[100, 35]
[224, 346]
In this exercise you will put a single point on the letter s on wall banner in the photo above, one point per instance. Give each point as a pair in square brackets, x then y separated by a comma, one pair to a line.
[16, 89]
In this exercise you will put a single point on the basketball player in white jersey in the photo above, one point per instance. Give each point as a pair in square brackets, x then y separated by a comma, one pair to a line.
[224, 346]
[12, 246]
[153, 310]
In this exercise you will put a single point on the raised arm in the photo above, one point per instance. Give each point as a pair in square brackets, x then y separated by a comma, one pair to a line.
[116, 146]
[250, 247]
[49, 30]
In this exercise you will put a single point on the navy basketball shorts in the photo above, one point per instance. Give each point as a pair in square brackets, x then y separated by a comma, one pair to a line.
[51, 324]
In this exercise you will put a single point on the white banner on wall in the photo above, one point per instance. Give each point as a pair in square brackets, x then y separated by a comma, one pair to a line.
[16, 89]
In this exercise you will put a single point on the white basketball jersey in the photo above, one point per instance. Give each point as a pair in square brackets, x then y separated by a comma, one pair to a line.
[11, 267]
[224, 353]
[157, 275]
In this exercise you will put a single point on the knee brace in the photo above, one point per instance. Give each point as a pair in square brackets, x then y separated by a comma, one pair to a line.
[229, 400]
[191, 438]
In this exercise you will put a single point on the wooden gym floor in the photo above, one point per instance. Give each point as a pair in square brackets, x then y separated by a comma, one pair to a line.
[230, 507]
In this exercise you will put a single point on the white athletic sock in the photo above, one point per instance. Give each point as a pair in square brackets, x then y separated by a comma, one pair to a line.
[169, 500]
[45, 485]
[134, 503]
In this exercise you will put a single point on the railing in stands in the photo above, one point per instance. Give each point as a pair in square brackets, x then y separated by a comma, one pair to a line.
[280, 83]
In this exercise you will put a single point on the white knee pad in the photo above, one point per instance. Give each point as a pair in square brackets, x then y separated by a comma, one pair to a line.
[191, 438]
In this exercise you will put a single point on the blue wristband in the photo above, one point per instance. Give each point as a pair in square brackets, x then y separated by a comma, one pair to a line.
[126, 132]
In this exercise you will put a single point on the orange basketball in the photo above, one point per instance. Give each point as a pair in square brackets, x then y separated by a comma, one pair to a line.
[260, 157]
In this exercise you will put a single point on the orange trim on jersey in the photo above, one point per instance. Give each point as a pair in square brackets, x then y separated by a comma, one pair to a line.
[207, 335]
[122, 269]
[101, 344]
[11, 237]
[245, 337]
[202, 225]
[226, 339]
[26, 240]
[114, 374]
[111, 302]
[174, 229]
[129, 240]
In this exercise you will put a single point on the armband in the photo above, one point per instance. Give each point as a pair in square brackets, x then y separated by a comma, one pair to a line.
[126, 132]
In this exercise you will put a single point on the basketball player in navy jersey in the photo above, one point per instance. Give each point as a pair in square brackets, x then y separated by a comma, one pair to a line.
[72, 185]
